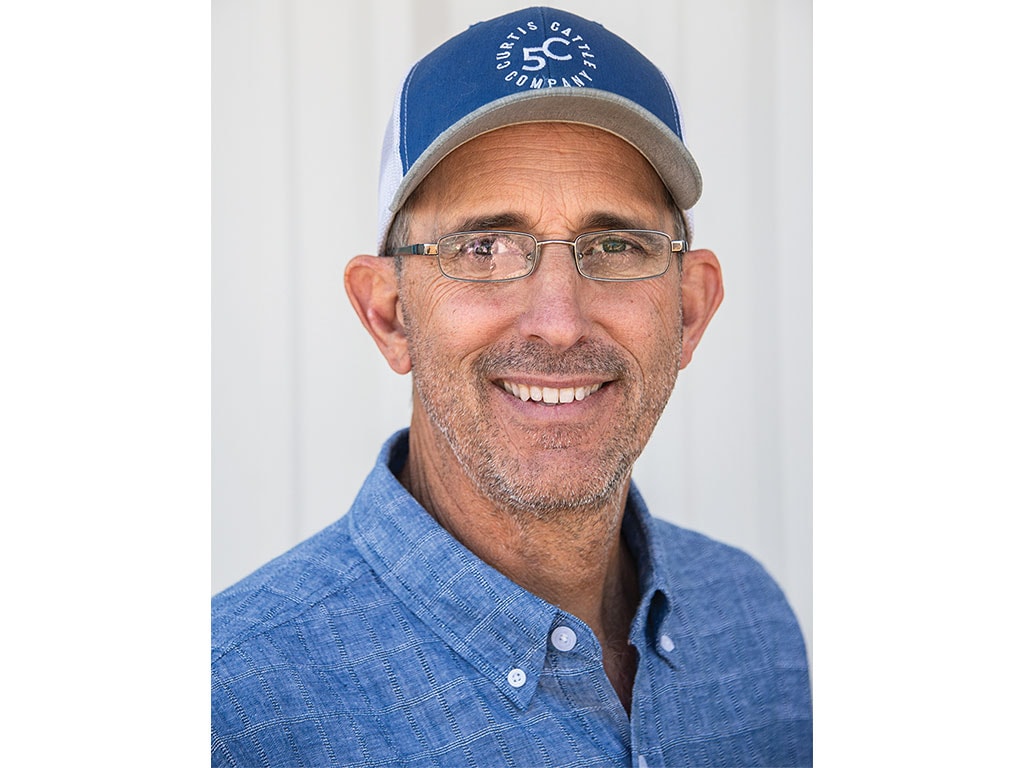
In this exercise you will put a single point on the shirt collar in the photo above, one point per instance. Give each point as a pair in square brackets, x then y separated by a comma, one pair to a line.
[656, 617]
[493, 623]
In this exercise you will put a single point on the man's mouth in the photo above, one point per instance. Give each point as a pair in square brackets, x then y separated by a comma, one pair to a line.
[549, 395]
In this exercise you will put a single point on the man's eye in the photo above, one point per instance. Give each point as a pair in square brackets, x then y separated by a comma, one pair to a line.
[489, 247]
[614, 245]
[480, 247]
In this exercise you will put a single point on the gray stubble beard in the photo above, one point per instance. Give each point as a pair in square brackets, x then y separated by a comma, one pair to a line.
[496, 478]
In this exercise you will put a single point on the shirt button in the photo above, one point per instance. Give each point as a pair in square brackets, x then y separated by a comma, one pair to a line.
[563, 638]
[517, 678]
[641, 763]
[666, 644]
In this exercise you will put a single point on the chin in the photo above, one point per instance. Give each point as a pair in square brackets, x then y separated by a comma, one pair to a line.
[573, 490]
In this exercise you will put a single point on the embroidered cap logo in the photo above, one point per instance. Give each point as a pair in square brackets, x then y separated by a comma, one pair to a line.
[526, 57]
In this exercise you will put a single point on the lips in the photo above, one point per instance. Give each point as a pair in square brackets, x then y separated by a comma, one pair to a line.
[549, 395]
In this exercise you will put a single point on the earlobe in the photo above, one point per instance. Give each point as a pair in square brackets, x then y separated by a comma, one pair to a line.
[372, 287]
[702, 293]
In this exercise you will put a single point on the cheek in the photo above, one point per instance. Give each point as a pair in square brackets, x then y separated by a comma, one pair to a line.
[457, 319]
[647, 313]
[649, 326]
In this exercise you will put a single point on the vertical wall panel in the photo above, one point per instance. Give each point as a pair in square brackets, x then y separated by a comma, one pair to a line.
[253, 304]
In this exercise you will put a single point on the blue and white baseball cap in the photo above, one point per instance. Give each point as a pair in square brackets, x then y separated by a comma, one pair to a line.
[533, 65]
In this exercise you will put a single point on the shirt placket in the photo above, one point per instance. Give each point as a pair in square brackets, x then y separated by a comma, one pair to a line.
[660, 661]
[586, 696]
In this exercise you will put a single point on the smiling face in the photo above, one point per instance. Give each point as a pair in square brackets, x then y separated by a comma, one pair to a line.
[539, 394]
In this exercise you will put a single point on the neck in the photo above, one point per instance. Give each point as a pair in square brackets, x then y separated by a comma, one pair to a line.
[575, 560]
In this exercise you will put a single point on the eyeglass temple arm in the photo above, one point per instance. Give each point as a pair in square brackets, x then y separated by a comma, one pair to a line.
[420, 249]
[680, 246]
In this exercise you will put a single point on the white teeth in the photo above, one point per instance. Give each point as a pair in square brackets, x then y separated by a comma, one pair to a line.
[549, 395]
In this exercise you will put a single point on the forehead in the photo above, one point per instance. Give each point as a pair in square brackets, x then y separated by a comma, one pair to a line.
[557, 175]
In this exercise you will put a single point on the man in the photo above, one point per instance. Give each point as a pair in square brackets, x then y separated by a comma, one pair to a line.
[499, 593]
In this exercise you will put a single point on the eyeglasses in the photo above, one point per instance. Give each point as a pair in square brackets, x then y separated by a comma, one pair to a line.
[493, 257]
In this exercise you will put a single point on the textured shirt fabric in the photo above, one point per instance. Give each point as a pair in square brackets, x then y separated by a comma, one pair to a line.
[382, 641]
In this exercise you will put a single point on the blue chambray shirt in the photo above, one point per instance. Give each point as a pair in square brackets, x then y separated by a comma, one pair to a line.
[382, 641]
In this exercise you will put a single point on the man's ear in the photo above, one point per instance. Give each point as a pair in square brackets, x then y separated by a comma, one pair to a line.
[702, 293]
[372, 287]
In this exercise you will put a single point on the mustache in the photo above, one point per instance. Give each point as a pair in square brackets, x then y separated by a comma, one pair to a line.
[586, 357]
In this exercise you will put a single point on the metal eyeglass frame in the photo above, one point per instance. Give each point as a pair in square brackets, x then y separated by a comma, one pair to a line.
[430, 249]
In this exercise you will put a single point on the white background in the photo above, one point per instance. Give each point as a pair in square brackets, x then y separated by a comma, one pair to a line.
[302, 399]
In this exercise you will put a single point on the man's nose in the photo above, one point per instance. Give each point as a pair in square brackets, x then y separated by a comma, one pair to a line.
[555, 299]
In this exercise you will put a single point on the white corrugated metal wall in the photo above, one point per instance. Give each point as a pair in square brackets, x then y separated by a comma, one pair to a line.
[301, 398]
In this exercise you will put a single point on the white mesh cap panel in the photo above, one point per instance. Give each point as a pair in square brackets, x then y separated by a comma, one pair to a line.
[390, 167]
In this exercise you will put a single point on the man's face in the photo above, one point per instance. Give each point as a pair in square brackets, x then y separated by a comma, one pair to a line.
[476, 348]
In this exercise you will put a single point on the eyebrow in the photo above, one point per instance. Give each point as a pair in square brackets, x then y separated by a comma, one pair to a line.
[500, 221]
[517, 222]
[608, 220]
